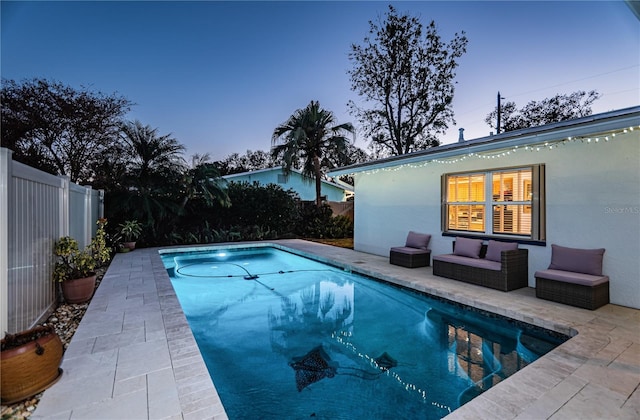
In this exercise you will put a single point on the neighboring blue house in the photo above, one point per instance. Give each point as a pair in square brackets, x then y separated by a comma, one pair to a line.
[574, 183]
[294, 181]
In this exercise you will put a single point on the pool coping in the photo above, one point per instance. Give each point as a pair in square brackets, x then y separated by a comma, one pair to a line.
[134, 355]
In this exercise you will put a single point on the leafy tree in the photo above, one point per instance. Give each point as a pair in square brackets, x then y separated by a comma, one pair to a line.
[111, 168]
[351, 156]
[406, 77]
[59, 129]
[550, 110]
[251, 161]
[311, 136]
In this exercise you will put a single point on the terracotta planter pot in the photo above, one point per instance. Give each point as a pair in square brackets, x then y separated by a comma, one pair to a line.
[31, 367]
[130, 245]
[78, 290]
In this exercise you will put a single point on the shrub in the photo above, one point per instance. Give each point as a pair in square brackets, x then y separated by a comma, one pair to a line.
[71, 262]
[262, 211]
[101, 252]
[318, 222]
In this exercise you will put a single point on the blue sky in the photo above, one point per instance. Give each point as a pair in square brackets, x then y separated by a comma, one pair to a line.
[220, 76]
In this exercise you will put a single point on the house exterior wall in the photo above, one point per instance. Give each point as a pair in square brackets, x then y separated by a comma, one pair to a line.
[306, 190]
[592, 201]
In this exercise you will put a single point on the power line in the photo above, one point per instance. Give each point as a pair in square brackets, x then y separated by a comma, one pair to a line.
[488, 104]
[574, 81]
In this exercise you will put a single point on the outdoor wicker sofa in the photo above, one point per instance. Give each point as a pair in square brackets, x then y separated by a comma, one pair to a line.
[415, 252]
[497, 265]
[574, 278]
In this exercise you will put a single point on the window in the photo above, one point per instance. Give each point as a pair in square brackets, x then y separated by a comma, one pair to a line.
[465, 202]
[496, 202]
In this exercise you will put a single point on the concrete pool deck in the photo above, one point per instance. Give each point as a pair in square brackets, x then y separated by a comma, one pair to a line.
[134, 357]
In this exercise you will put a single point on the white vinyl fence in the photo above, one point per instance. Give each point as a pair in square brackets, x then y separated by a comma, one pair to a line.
[36, 209]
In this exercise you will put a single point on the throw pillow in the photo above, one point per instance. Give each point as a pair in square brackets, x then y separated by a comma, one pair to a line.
[466, 247]
[418, 240]
[495, 248]
[587, 261]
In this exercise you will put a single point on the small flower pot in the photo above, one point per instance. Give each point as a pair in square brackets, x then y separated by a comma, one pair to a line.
[130, 245]
[78, 290]
[31, 365]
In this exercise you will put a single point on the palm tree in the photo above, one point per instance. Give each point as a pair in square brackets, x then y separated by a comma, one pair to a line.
[309, 135]
[151, 157]
[203, 180]
[154, 167]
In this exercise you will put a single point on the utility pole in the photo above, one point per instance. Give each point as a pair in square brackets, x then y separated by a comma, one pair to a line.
[499, 112]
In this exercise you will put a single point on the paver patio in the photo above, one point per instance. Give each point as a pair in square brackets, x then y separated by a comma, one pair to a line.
[134, 357]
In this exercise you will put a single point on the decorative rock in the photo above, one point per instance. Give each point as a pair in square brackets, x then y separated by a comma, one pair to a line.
[65, 320]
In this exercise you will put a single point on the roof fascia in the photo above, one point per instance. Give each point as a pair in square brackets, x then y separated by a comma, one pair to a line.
[587, 126]
[257, 171]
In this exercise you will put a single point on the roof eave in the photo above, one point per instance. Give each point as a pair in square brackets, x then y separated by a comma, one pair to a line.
[585, 126]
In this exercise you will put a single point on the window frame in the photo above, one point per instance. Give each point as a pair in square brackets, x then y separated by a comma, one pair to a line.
[537, 205]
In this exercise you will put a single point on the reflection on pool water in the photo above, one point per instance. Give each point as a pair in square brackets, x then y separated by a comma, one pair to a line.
[285, 336]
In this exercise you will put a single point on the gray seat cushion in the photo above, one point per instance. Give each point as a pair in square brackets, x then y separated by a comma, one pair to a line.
[409, 250]
[572, 277]
[469, 261]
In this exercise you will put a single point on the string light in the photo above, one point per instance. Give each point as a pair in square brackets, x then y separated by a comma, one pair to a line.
[342, 338]
[533, 147]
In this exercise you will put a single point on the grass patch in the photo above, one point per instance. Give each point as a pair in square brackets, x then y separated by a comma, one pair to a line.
[342, 243]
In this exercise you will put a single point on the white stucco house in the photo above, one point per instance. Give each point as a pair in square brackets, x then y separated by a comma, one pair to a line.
[575, 183]
[295, 181]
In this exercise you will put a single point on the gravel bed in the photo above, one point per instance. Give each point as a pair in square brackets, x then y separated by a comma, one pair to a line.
[65, 320]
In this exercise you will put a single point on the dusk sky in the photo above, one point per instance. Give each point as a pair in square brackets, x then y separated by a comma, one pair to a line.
[220, 76]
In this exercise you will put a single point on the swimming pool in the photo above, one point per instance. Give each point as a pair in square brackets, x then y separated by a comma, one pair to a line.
[284, 335]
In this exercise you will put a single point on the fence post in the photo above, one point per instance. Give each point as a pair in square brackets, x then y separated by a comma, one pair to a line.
[64, 207]
[100, 204]
[5, 184]
[88, 226]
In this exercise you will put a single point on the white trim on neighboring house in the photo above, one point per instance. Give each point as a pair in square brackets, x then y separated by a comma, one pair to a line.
[296, 181]
[257, 171]
[340, 185]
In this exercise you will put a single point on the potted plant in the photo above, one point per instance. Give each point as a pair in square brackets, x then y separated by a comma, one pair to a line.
[29, 362]
[74, 270]
[121, 248]
[130, 230]
[118, 244]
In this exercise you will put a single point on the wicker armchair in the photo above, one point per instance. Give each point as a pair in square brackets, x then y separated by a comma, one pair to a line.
[574, 278]
[415, 252]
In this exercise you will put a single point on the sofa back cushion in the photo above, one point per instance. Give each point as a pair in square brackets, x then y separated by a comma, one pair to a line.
[467, 247]
[587, 261]
[417, 240]
[495, 248]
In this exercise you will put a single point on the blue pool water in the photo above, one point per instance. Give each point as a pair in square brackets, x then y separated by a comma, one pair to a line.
[284, 336]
